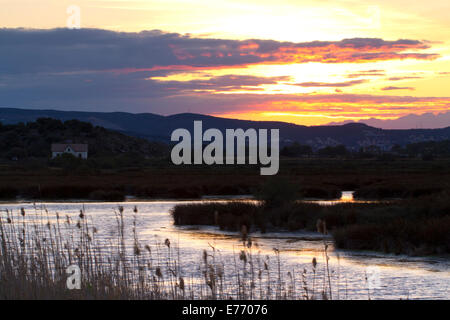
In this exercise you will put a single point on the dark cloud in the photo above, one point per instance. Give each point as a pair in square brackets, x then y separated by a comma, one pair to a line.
[226, 82]
[101, 91]
[64, 50]
[100, 70]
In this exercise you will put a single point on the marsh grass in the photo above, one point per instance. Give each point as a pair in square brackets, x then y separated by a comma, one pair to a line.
[37, 247]
[313, 178]
[419, 226]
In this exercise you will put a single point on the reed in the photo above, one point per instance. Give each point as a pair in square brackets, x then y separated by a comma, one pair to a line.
[37, 247]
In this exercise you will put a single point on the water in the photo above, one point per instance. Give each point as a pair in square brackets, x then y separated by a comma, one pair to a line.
[354, 275]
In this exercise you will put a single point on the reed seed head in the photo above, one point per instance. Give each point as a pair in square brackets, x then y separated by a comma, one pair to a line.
[205, 256]
[243, 256]
[244, 232]
[181, 283]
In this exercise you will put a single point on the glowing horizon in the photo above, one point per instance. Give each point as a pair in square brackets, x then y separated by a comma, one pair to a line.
[294, 61]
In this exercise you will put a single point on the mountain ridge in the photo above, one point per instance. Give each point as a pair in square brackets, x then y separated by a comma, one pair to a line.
[410, 121]
[157, 127]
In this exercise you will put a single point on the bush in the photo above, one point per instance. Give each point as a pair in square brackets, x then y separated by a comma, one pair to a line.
[276, 192]
[228, 216]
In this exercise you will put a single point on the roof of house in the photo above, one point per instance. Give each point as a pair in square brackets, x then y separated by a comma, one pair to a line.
[77, 147]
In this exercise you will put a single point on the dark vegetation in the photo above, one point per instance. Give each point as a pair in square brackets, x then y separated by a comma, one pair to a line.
[416, 227]
[312, 178]
[33, 141]
[296, 150]
[427, 150]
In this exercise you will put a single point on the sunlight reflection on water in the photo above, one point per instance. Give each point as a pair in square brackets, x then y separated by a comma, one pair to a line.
[400, 277]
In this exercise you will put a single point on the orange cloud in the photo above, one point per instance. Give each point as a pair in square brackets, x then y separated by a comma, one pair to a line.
[249, 52]
[313, 109]
[249, 46]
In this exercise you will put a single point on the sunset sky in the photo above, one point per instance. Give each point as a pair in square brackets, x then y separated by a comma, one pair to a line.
[306, 62]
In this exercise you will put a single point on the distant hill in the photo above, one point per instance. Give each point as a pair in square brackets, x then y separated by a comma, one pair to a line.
[157, 127]
[34, 139]
[426, 120]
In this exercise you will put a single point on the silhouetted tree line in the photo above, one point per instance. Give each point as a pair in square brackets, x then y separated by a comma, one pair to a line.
[426, 150]
[298, 150]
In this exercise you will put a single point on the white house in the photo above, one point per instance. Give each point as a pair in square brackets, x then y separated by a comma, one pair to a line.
[76, 149]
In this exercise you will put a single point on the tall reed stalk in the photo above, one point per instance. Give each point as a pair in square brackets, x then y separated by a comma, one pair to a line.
[36, 248]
